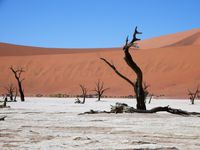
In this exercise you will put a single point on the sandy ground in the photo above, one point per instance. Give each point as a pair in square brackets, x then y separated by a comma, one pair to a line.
[50, 123]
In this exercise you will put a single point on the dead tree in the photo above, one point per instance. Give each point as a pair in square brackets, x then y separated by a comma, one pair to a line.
[140, 89]
[99, 89]
[138, 84]
[193, 95]
[17, 73]
[10, 91]
[4, 105]
[84, 94]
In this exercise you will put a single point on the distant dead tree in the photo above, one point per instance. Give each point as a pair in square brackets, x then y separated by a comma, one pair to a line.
[84, 94]
[193, 95]
[17, 74]
[10, 91]
[99, 89]
[138, 84]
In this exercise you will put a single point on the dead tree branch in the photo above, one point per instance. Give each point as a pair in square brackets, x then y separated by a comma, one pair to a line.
[124, 108]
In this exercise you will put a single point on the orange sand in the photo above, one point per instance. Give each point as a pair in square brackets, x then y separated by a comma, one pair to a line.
[171, 67]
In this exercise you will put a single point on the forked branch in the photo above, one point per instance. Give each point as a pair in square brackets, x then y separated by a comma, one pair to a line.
[117, 72]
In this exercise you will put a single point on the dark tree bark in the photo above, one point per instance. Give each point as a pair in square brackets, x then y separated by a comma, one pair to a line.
[5, 101]
[138, 84]
[16, 93]
[99, 89]
[193, 95]
[4, 105]
[17, 74]
[10, 91]
[2, 118]
[124, 108]
[84, 94]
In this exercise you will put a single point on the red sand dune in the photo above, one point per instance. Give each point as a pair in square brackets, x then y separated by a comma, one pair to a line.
[171, 67]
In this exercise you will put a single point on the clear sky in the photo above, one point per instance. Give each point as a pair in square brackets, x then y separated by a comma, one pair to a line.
[92, 23]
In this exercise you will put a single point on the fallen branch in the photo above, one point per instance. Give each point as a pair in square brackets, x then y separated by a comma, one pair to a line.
[2, 118]
[124, 108]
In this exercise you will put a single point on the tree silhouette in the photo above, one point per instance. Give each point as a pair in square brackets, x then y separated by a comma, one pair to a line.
[99, 89]
[193, 95]
[17, 74]
[84, 94]
[138, 84]
[10, 90]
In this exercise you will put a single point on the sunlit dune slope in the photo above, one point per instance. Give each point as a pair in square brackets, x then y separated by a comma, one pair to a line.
[190, 37]
[170, 70]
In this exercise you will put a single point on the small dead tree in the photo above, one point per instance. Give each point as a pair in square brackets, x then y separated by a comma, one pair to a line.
[4, 105]
[17, 74]
[84, 94]
[99, 89]
[10, 91]
[193, 95]
[138, 84]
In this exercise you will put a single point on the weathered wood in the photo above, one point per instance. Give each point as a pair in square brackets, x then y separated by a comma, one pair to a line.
[2, 118]
[124, 108]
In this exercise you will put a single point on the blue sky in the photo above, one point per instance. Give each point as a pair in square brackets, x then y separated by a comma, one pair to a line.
[92, 23]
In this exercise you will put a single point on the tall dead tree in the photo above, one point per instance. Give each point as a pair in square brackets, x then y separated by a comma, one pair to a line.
[99, 89]
[193, 95]
[10, 91]
[138, 84]
[84, 94]
[17, 74]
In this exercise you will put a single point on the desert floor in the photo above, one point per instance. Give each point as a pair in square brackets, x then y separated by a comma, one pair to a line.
[54, 123]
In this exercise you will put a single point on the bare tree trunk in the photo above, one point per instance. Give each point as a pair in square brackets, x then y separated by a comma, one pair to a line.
[5, 101]
[16, 93]
[21, 92]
